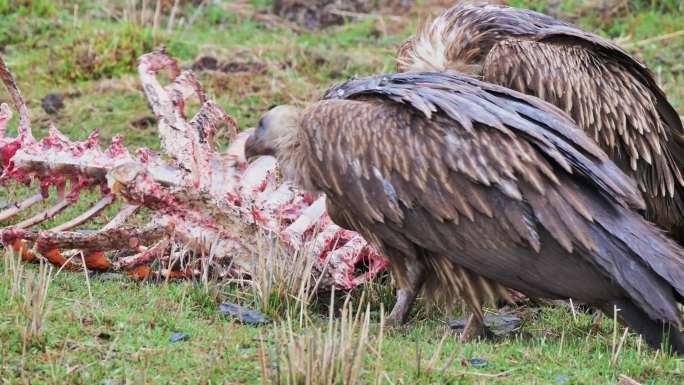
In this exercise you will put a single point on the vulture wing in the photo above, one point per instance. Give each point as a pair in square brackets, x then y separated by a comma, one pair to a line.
[608, 92]
[487, 177]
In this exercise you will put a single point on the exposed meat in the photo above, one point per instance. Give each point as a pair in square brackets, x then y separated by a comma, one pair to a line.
[205, 202]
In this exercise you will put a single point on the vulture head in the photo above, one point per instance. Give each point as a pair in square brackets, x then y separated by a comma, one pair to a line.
[277, 131]
[277, 136]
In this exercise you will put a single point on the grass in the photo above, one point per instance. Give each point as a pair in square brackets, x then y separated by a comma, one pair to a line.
[121, 334]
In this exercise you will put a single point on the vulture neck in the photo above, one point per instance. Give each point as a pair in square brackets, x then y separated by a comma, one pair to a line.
[447, 45]
[292, 158]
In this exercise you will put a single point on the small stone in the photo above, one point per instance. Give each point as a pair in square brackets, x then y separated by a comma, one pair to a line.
[52, 103]
[104, 336]
[179, 337]
[561, 379]
[499, 325]
[478, 362]
[243, 314]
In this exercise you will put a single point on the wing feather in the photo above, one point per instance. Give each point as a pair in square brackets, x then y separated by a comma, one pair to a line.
[610, 94]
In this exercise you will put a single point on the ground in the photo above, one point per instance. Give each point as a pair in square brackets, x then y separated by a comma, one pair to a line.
[111, 330]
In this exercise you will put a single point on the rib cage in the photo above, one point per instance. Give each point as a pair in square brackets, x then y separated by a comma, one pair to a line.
[209, 202]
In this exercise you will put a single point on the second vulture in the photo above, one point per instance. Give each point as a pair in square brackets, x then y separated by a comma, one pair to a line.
[608, 92]
[451, 177]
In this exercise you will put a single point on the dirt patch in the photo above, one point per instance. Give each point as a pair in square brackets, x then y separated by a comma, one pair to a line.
[319, 14]
[144, 122]
[211, 63]
[52, 103]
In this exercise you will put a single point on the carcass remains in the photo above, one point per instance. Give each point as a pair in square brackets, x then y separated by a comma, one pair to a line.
[211, 204]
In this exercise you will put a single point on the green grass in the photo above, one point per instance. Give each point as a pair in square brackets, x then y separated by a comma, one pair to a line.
[123, 334]
[88, 52]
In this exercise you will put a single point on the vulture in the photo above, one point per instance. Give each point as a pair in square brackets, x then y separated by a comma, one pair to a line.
[608, 92]
[469, 188]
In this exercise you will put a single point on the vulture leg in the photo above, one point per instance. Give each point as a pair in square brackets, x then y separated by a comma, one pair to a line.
[402, 308]
[596, 321]
[475, 328]
[407, 292]
[654, 332]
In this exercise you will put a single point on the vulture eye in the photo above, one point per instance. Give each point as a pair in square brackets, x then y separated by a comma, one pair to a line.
[261, 128]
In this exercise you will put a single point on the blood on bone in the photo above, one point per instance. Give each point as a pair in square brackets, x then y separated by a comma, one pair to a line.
[97, 261]
[139, 273]
[208, 201]
[8, 151]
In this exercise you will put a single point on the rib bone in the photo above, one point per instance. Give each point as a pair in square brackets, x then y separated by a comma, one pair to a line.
[86, 216]
[44, 215]
[23, 205]
[214, 207]
[121, 217]
[8, 80]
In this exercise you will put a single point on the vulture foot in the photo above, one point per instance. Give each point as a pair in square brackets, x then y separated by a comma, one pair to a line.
[657, 333]
[402, 308]
[406, 295]
[474, 329]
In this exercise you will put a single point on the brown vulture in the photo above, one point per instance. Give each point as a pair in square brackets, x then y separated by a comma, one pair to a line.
[450, 177]
[609, 93]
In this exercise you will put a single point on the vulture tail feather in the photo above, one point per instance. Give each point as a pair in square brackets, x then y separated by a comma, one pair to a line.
[656, 333]
[645, 263]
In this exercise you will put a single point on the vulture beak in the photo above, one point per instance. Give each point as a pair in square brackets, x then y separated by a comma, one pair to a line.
[251, 147]
[273, 128]
[257, 144]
